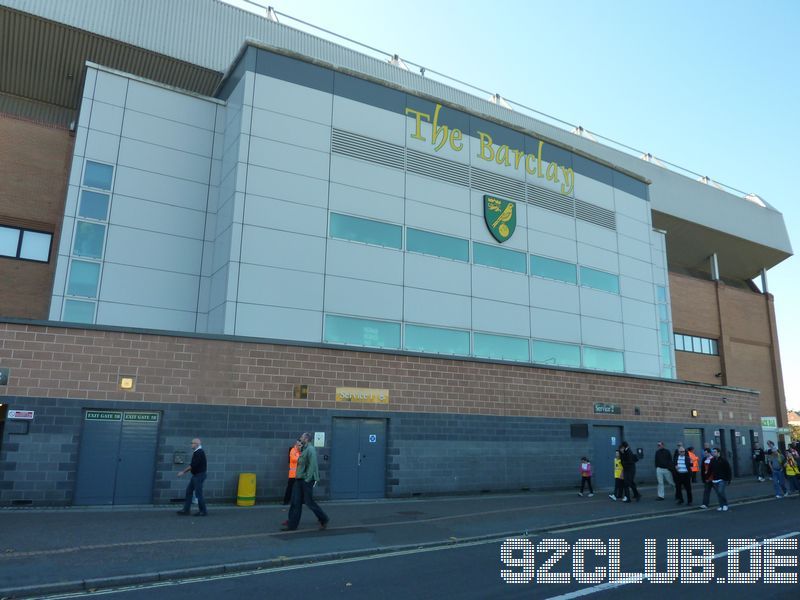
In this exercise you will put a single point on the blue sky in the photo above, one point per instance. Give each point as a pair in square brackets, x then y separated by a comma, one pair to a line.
[712, 86]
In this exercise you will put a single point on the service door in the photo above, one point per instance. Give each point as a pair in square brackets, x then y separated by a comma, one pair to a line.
[117, 456]
[605, 441]
[358, 458]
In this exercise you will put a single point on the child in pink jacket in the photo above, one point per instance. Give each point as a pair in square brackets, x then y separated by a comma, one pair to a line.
[586, 476]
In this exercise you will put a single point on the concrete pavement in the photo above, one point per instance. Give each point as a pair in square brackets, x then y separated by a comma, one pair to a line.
[70, 549]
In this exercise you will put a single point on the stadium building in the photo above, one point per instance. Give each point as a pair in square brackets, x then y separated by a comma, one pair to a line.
[215, 225]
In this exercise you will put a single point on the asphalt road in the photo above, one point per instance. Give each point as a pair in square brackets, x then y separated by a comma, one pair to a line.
[476, 570]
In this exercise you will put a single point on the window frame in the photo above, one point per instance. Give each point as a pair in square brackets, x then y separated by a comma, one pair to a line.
[21, 236]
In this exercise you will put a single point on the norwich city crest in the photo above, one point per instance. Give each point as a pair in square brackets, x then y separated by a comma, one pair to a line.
[501, 217]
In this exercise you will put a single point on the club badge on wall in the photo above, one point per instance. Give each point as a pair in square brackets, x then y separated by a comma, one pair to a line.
[500, 216]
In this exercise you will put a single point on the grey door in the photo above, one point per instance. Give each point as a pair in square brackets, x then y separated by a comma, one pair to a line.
[605, 441]
[734, 454]
[358, 458]
[116, 461]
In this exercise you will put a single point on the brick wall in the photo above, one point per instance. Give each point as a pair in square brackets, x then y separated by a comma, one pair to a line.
[743, 323]
[34, 164]
[81, 363]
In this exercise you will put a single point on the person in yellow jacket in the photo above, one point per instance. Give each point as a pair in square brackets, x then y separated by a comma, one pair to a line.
[294, 454]
[792, 473]
[618, 481]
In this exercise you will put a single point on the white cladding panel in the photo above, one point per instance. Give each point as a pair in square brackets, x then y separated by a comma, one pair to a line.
[243, 195]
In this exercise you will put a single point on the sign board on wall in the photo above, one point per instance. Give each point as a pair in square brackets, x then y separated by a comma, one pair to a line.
[769, 421]
[365, 395]
[602, 408]
[20, 415]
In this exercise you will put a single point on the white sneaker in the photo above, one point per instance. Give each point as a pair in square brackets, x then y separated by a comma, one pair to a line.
[580, 494]
[725, 508]
[778, 496]
[719, 509]
[703, 506]
[613, 497]
[626, 499]
[761, 479]
[590, 495]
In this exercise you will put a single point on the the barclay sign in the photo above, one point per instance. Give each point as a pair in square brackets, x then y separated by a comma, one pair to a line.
[489, 151]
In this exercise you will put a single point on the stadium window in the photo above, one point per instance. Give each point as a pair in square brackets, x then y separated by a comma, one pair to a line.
[25, 244]
[357, 229]
[553, 269]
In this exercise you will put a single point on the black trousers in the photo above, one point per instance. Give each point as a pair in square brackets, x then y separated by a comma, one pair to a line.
[628, 483]
[303, 493]
[584, 481]
[618, 488]
[683, 481]
[287, 495]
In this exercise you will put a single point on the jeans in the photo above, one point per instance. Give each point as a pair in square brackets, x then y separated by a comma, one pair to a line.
[719, 487]
[303, 493]
[779, 482]
[663, 475]
[707, 487]
[195, 487]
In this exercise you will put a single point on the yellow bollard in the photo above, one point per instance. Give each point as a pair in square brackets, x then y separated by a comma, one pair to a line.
[246, 496]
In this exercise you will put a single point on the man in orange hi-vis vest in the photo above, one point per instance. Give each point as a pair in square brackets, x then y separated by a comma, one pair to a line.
[695, 462]
[294, 454]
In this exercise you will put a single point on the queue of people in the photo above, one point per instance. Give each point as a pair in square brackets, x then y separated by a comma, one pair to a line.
[681, 468]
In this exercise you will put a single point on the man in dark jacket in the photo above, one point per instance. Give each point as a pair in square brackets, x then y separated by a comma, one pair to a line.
[664, 468]
[759, 461]
[198, 467]
[720, 476]
[629, 460]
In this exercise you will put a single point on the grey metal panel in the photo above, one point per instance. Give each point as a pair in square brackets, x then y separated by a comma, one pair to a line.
[294, 71]
[97, 462]
[36, 111]
[344, 459]
[137, 462]
[372, 463]
[605, 441]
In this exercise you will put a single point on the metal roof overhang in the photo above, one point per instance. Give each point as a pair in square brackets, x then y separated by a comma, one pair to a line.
[44, 61]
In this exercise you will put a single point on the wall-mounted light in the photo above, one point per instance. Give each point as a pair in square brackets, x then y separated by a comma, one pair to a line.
[724, 400]
[695, 413]
[127, 384]
[718, 374]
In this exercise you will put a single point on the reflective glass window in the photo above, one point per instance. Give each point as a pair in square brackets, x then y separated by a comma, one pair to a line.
[93, 206]
[714, 349]
[89, 239]
[9, 241]
[661, 293]
[361, 332]
[553, 353]
[553, 269]
[83, 279]
[76, 311]
[501, 258]
[603, 360]
[678, 341]
[436, 340]
[697, 345]
[35, 246]
[662, 312]
[437, 244]
[97, 175]
[705, 346]
[366, 230]
[501, 346]
[599, 280]
[664, 331]
[666, 355]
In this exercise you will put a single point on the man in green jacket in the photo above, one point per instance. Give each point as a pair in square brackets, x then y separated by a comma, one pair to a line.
[306, 477]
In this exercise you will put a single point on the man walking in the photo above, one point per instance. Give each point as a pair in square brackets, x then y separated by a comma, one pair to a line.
[683, 476]
[759, 465]
[664, 467]
[306, 478]
[720, 477]
[705, 474]
[198, 467]
[629, 460]
[775, 461]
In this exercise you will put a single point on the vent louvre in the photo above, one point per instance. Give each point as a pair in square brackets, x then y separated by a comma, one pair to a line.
[367, 148]
[549, 200]
[492, 183]
[595, 214]
[437, 168]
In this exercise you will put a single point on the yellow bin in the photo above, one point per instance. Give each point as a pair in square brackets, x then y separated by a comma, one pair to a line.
[246, 496]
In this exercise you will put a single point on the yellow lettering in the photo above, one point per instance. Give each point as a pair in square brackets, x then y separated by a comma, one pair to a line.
[539, 160]
[420, 115]
[502, 156]
[455, 137]
[552, 172]
[518, 154]
[487, 150]
[529, 166]
[444, 130]
[569, 180]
